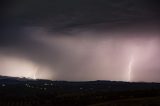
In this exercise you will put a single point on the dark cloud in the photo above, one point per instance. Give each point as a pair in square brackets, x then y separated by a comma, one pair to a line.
[61, 14]
[68, 35]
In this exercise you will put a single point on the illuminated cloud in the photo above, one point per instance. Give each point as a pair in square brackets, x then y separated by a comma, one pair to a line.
[67, 41]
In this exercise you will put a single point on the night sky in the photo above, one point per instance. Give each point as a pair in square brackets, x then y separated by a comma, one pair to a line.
[80, 39]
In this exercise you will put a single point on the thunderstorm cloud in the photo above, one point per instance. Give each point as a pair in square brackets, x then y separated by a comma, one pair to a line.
[81, 39]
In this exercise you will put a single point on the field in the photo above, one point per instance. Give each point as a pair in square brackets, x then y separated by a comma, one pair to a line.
[27, 92]
[145, 101]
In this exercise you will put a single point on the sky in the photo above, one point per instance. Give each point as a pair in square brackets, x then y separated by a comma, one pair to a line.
[80, 40]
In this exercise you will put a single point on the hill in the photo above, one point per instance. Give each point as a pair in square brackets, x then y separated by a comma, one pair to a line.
[16, 91]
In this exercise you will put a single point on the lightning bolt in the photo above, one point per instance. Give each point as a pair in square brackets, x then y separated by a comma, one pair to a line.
[34, 77]
[130, 65]
[36, 71]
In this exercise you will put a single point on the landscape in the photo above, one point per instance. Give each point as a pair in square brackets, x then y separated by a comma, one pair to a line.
[79, 52]
[16, 91]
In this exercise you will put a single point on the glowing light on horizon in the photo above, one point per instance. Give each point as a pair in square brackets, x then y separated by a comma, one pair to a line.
[18, 67]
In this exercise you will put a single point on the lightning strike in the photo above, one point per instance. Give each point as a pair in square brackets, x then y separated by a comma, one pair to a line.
[130, 68]
[34, 76]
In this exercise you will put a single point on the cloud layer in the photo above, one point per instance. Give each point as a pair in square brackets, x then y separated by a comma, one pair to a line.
[80, 40]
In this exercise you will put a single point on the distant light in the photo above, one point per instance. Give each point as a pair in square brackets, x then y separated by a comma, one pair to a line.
[80, 88]
[46, 84]
[3, 85]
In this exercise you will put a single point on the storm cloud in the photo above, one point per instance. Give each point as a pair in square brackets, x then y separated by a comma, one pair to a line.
[80, 39]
